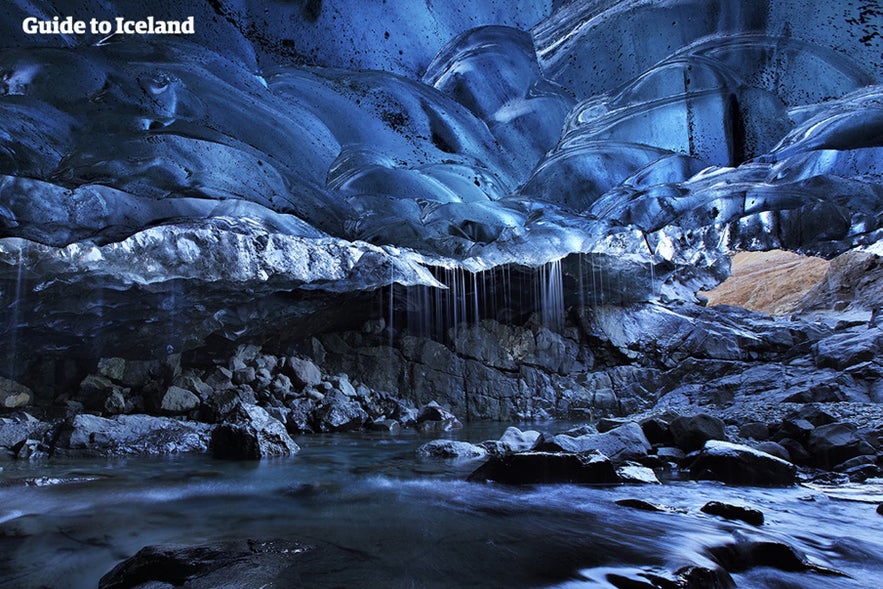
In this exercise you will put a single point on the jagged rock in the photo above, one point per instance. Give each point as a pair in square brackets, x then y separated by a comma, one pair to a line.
[451, 449]
[281, 386]
[527, 468]
[178, 401]
[244, 375]
[690, 433]
[729, 511]
[626, 442]
[433, 417]
[31, 450]
[13, 395]
[605, 424]
[755, 430]
[740, 465]
[631, 473]
[834, 443]
[300, 416]
[670, 454]
[250, 433]
[656, 430]
[796, 429]
[90, 435]
[19, 427]
[219, 379]
[796, 451]
[339, 413]
[302, 372]
[842, 350]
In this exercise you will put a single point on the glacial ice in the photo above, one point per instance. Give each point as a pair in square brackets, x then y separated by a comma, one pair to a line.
[633, 143]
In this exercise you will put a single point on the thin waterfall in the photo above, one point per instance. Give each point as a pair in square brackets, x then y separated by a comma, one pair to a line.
[552, 301]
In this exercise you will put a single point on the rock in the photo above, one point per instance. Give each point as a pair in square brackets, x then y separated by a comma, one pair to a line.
[755, 430]
[528, 468]
[880, 509]
[178, 401]
[742, 556]
[728, 511]
[90, 435]
[656, 430]
[842, 350]
[690, 433]
[796, 451]
[626, 442]
[774, 449]
[740, 465]
[433, 417]
[641, 504]
[281, 386]
[796, 429]
[834, 443]
[302, 372]
[670, 454]
[605, 424]
[514, 440]
[13, 395]
[112, 368]
[698, 577]
[244, 375]
[813, 414]
[250, 433]
[19, 427]
[339, 413]
[451, 449]
[31, 450]
[637, 474]
[386, 425]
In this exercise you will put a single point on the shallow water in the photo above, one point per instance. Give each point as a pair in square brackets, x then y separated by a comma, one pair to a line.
[408, 522]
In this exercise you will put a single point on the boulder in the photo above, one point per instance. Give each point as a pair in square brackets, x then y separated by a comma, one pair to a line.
[386, 425]
[433, 417]
[670, 454]
[13, 395]
[302, 372]
[178, 401]
[513, 440]
[250, 433]
[90, 435]
[641, 504]
[690, 433]
[742, 556]
[656, 430]
[777, 450]
[339, 413]
[729, 511]
[19, 427]
[740, 465]
[880, 509]
[526, 468]
[627, 442]
[451, 449]
[834, 443]
[755, 430]
[632, 473]
[842, 350]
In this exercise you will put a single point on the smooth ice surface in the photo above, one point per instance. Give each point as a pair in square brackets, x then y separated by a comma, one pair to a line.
[637, 142]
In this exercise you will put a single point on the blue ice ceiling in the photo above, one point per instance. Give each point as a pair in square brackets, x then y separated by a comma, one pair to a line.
[345, 145]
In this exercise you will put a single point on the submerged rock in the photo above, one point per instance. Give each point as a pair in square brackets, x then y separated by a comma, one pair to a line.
[740, 465]
[527, 468]
[729, 511]
[250, 433]
[641, 504]
[742, 556]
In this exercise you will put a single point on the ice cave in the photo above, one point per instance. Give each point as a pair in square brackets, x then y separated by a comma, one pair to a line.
[504, 293]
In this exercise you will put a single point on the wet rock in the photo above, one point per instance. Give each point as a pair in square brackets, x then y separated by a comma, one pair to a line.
[31, 450]
[250, 433]
[338, 413]
[742, 556]
[656, 430]
[90, 435]
[244, 563]
[641, 504]
[302, 372]
[178, 401]
[626, 442]
[729, 511]
[670, 454]
[740, 465]
[13, 395]
[880, 509]
[690, 433]
[834, 443]
[451, 449]
[697, 577]
[527, 468]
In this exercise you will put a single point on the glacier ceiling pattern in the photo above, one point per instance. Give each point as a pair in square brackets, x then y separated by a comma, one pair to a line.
[342, 146]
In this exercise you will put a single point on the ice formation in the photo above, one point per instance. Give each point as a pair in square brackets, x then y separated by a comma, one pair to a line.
[622, 147]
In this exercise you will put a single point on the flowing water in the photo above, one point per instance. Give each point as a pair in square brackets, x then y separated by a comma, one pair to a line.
[410, 522]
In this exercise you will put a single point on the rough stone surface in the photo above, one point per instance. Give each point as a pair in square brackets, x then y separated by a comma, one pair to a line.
[13, 395]
[179, 401]
[834, 443]
[691, 433]
[250, 433]
[90, 435]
